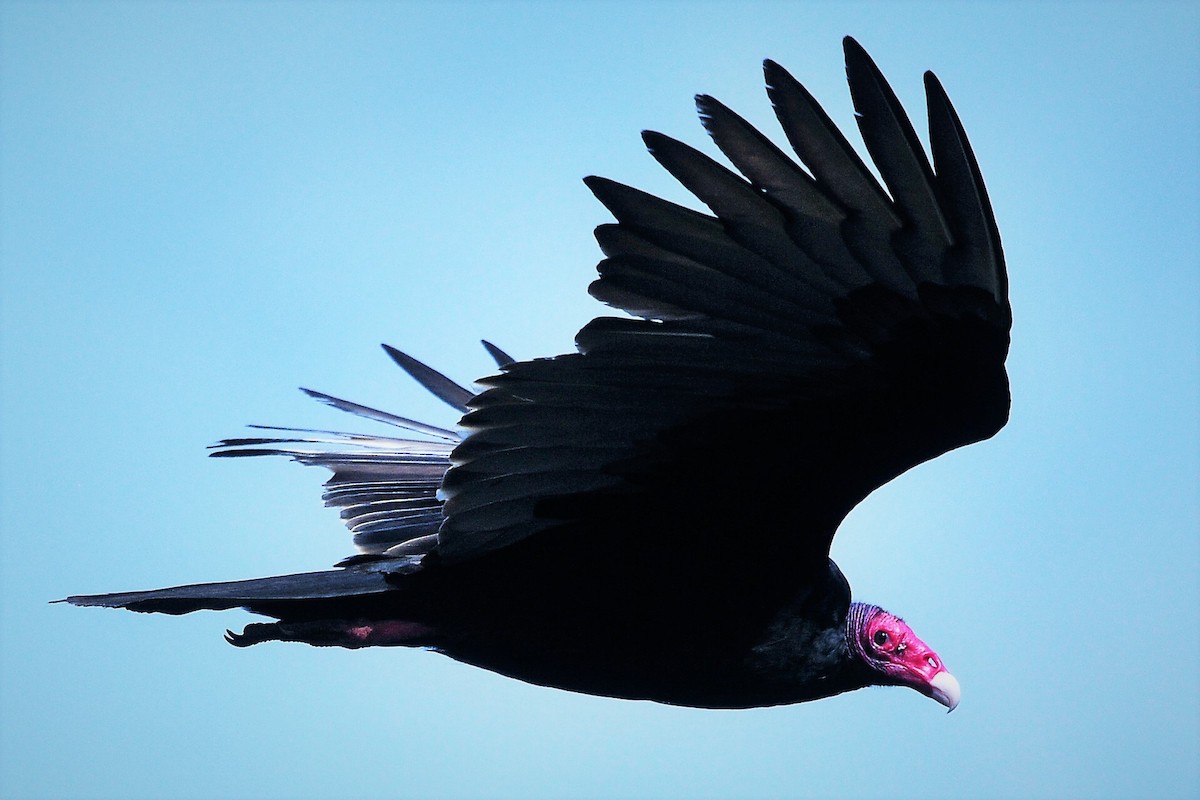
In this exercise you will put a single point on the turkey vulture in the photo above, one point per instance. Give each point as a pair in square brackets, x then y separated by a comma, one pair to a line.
[650, 517]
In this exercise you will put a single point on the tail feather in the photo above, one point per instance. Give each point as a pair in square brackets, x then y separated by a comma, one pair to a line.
[264, 595]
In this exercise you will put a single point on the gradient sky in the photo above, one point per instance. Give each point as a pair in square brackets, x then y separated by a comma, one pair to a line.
[205, 205]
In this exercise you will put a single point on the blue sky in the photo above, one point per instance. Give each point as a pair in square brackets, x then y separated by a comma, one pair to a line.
[206, 205]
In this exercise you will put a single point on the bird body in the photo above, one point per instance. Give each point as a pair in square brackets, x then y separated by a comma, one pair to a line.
[650, 517]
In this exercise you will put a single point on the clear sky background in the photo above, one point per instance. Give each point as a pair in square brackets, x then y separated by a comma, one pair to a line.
[205, 205]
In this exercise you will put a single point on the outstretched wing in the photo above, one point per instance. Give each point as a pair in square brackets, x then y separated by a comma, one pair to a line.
[810, 340]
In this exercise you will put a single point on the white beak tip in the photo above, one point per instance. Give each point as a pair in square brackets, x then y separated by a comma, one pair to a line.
[945, 689]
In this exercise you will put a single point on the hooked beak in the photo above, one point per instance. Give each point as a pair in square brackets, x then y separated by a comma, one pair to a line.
[944, 688]
[923, 670]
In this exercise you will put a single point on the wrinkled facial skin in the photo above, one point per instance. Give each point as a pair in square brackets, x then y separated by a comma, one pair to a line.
[897, 652]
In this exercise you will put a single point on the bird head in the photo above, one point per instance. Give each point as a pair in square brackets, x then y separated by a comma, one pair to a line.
[888, 645]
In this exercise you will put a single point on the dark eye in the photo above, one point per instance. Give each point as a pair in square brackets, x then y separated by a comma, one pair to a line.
[880, 638]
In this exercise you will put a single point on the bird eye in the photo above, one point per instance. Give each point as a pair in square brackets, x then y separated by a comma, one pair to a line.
[880, 638]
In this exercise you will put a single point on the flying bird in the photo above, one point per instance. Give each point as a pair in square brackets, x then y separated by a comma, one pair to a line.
[650, 517]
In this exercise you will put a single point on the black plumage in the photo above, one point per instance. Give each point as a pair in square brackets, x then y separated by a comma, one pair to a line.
[650, 517]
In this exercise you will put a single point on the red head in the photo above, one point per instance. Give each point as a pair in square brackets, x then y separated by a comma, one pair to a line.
[889, 646]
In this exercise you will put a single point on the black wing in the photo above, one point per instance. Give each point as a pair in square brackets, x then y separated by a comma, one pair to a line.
[812, 340]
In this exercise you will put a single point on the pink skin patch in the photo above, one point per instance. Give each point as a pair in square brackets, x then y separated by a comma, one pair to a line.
[902, 656]
[381, 633]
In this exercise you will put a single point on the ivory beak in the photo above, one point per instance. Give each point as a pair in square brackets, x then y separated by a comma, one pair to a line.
[945, 689]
